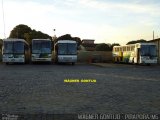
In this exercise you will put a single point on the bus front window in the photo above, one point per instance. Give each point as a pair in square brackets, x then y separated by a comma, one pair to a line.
[153, 51]
[8, 47]
[36, 46]
[148, 50]
[72, 49]
[46, 47]
[18, 47]
[62, 48]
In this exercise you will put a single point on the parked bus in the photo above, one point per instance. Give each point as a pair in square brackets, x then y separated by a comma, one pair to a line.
[15, 51]
[41, 50]
[139, 53]
[66, 51]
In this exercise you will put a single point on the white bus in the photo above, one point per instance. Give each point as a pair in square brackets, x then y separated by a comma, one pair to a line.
[15, 51]
[66, 51]
[41, 50]
[139, 53]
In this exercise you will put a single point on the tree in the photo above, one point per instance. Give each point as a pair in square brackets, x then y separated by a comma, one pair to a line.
[19, 31]
[136, 41]
[1, 42]
[24, 32]
[65, 37]
[102, 47]
[27, 37]
[78, 40]
[39, 35]
[69, 37]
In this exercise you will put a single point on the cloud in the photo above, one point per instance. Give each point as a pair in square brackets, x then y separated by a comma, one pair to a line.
[30, 13]
[126, 7]
[102, 20]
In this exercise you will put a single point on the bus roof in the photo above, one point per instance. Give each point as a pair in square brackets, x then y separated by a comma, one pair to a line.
[136, 44]
[15, 39]
[146, 43]
[66, 41]
[42, 39]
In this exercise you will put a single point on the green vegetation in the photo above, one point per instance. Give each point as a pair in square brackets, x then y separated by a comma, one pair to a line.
[69, 37]
[24, 32]
[102, 47]
[136, 41]
[1, 43]
[106, 47]
[1, 50]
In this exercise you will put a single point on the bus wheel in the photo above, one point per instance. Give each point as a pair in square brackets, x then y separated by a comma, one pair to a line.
[73, 63]
[148, 64]
[7, 63]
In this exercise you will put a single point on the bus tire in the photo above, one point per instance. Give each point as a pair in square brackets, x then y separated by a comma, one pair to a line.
[73, 63]
[148, 64]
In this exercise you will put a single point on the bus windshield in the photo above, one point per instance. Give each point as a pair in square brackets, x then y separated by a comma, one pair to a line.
[39, 46]
[72, 49]
[18, 47]
[62, 48]
[46, 46]
[8, 47]
[13, 47]
[67, 49]
[148, 50]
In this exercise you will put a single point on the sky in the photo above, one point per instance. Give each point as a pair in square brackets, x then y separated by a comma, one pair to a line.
[105, 21]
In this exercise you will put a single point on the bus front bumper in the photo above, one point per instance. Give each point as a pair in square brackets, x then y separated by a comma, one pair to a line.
[153, 61]
[65, 59]
[41, 59]
[13, 60]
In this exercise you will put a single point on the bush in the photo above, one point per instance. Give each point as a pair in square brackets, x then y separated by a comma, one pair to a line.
[102, 47]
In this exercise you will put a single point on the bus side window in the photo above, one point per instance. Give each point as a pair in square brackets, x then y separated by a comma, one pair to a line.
[117, 49]
[128, 48]
[132, 48]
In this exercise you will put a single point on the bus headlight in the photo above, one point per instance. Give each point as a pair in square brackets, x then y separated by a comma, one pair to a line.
[8, 56]
[49, 55]
[21, 56]
[35, 55]
[60, 58]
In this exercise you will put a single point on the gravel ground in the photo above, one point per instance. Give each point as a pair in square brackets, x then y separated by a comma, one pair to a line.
[40, 88]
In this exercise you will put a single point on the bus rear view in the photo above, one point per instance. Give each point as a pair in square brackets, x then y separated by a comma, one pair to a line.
[41, 50]
[66, 51]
